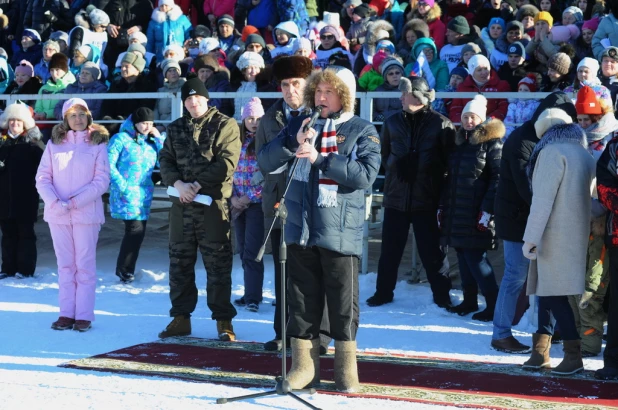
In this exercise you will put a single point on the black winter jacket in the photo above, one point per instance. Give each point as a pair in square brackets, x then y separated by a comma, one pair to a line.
[473, 173]
[143, 84]
[429, 137]
[19, 198]
[126, 13]
[514, 196]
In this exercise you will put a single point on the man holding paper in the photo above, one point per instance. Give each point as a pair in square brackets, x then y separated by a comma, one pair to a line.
[198, 159]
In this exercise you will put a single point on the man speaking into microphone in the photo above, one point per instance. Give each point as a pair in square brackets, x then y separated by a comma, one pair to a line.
[338, 158]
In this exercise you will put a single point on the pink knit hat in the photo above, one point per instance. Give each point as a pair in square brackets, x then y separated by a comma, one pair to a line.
[563, 34]
[377, 60]
[68, 104]
[25, 67]
[591, 24]
[253, 108]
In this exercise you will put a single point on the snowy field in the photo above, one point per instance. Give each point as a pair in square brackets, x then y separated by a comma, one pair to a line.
[131, 314]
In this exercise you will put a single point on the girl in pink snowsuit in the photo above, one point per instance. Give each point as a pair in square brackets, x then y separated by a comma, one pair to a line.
[72, 176]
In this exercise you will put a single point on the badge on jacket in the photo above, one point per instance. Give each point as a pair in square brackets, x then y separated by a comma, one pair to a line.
[374, 139]
[341, 139]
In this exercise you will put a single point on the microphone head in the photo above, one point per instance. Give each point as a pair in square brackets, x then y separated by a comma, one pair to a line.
[319, 108]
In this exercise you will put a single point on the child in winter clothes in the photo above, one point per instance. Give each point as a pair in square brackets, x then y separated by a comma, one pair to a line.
[358, 29]
[329, 45]
[31, 49]
[250, 64]
[133, 154]
[247, 211]
[371, 77]
[168, 25]
[25, 82]
[492, 33]
[458, 75]
[60, 78]
[286, 34]
[520, 109]
[87, 83]
[392, 70]
[71, 187]
[587, 70]
[583, 43]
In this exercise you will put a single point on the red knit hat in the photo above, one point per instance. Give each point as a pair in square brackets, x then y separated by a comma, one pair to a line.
[587, 102]
[529, 81]
[378, 58]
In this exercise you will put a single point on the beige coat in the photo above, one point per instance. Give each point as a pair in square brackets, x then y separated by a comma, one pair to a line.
[559, 221]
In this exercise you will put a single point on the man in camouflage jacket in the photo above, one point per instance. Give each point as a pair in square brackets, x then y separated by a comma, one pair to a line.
[199, 157]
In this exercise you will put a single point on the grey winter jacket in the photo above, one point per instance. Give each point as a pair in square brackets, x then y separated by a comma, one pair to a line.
[354, 169]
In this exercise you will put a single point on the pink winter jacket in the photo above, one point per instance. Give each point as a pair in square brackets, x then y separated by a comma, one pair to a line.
[74, 169]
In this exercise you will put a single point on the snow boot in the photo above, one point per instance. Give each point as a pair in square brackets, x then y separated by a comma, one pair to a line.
[572, 362]
[82, 325]
[63, 323]
[606, 373]
[540, 352]
[510, 345]
[470, 303]
[179, 326]
[487, 315]
[346, 369]
[305, 371]
[225, 330]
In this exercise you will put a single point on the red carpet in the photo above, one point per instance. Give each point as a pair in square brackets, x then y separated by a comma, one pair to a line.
[419, 379]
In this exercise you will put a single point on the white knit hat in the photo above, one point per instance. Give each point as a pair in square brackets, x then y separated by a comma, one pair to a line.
[208, 44]
[177, 48]
[477, 60]
[98, 16]
[331, 19]
[170, 3]
[478, 106]
[591, 64]
[141, 37]
[549, 118]
[249, 58]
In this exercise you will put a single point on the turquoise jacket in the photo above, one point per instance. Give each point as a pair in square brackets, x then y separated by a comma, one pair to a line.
[438, 68]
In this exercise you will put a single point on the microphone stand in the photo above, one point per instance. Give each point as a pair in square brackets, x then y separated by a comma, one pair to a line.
[282, 388]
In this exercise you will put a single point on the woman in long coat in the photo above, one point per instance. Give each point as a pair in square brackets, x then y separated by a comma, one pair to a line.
[561, 172]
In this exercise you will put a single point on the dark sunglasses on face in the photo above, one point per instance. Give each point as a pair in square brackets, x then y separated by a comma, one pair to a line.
[327, 37]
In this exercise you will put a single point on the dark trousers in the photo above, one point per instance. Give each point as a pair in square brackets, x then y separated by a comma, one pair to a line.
[475, 268]
[134, 232]
[556, 310]
[249, 231]
[275, 242]
[18, 247]
[395, 229]
[313, 273]
[610, 356]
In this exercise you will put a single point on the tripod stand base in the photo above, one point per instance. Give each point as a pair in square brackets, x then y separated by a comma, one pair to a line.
[281, 389]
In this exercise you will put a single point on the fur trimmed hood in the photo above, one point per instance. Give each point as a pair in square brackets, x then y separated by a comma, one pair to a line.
[372, 35]
[491, 129]
[98, 134]
[173, 14]
[433, 14]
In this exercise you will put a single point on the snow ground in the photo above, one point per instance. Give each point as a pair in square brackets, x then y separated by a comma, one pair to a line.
[131, 314]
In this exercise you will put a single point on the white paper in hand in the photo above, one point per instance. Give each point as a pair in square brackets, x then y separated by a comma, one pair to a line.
[202, 199]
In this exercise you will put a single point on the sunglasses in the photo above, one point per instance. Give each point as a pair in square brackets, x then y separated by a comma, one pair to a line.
[327, 37]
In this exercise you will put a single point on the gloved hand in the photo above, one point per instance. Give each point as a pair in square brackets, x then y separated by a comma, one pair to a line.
[439, 216]
[529, 250]
[483, 221]
[585, 300]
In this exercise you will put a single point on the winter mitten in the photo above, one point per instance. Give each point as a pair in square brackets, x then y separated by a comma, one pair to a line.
[483, 221]
[529, 250]
[439, 215]
[585, 299]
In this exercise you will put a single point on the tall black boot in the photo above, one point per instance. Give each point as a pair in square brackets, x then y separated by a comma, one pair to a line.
[470, 303]
[487, 315]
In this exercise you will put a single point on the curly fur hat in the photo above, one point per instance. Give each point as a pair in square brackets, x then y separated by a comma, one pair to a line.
[292, 67]
[17, 111]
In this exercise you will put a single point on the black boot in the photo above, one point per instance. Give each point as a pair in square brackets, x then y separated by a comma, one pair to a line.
[470, 303]
[487, 315]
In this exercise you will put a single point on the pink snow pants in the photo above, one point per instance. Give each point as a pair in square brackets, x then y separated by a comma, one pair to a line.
[76, 252]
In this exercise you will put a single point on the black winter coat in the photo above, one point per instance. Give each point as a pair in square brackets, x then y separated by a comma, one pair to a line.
[126, 13]
[429, 137]
[32, 86]
[514, 195]
[19, 198]
[473, 173]
[143, 84]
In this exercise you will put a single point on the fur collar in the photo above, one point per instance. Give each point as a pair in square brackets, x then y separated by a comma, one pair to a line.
[173, 14]
[372, 34]
[98, 134]
[433, 14]
[492, 129]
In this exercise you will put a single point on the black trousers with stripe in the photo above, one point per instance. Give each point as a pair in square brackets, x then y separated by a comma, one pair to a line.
[312, 274]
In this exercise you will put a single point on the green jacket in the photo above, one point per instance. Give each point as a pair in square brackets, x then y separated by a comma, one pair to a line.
[371, 80]
[51, 87]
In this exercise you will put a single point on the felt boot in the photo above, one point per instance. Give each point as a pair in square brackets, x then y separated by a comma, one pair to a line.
[346, 369]
[305, 371]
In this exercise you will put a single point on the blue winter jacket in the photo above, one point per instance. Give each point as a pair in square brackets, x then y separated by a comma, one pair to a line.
[78, 88]
[294, 10]
[354, 169]
[132, 158]
[263, 15]
[168, 28]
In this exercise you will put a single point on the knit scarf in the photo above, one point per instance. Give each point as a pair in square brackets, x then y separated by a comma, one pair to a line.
[327, 188]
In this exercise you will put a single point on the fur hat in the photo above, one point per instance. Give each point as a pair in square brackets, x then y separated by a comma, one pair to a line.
[471, 47]
[92, 68]
[135, 60]
[575, 11]
[193, 86]
[388, 63]
[527, 10]
[331, 30]
[418, 87]
[33, 34]
[529, 81]
[563, 34]
[70, 103]
[226, 19]
[177, 49]
[549, 118]
[292, 67]
[478, 60]
[137, 48]
[205, 61]
[478, 106]
[208, 44]
[169, 63]
[544, 16]
[459, 25]
[420, 28]
[591, 64]
[517, 48]
[249, 58]
[98, 16]
[60, 61]
[140, 37]
[255, 38]
[52, 44]
[591, 24]
[142, 114]
[253, 108]
[17, 111]
[25, 67]
[560, 62]
[587, 102]
[611, 52]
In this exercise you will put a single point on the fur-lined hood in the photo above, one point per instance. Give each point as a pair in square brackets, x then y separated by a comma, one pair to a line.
[433, 14]
[372, 35]
[98, 134]
[173, 14]
[491, 129]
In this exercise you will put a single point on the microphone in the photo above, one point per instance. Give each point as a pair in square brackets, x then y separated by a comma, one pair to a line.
[314, 118]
